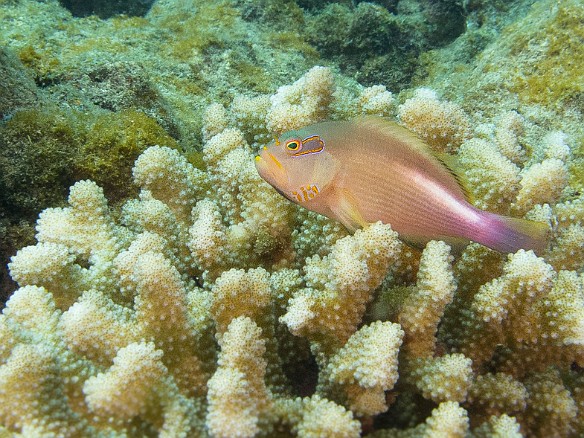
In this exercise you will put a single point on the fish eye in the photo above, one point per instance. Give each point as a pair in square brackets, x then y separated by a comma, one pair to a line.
[293, 145]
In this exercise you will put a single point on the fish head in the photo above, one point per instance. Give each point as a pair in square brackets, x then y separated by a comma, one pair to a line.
[297, 165]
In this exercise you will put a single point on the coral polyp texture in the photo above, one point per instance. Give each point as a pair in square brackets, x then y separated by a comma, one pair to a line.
[209, 305]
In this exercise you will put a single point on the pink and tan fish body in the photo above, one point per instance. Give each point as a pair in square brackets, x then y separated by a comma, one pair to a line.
[370, 170]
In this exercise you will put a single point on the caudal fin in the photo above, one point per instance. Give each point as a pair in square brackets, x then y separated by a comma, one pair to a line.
[509, 234]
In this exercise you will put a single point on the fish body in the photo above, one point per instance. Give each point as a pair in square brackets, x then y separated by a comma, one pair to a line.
[370, 170]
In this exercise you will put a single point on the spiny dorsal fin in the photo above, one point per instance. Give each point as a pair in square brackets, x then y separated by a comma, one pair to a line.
[395, 130]
[450, 162]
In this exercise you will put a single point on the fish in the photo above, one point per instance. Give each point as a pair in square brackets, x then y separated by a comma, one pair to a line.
[370, 169]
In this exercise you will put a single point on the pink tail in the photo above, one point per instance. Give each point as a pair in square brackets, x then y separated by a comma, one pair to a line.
[508, 234]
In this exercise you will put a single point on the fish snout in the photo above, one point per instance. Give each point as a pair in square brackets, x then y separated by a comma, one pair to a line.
[271, 169]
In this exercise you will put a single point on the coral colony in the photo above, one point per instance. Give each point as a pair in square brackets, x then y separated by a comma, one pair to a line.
[193, 310]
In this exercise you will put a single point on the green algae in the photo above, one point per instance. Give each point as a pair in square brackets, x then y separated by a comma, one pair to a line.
[17, 88]
[39, 61]
[556, 75]
[252, 76]
[210, 26]
[36, 158]
[106, 8]
[292, 40]
[45, 151]
[285, 15]
[113, 142]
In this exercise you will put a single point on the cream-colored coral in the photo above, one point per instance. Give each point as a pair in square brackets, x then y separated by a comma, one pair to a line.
[423, 308]
[314, 417]
[443, 125]
[493, 179]
[567, 250]
[32, 394]
[159, 286]
[127, 387]
[498, 393]
[445, 378]
[239, 293]
[551, 410]
[541, 183]
[508, 132]
[218, 146]
[86, 227]
[179, 189]
[249, 116]
[367, 366]
[20, 320]
[214, 120]
[377, 101]
[520, 305]
[238, 397]
[448, 420]
[556, 146]
[499, 427]
[340, 284]
[315, 234]
[303, 103]
[122, 314]
[53, 266]
[255, 220]
[96, 327]
[208, 238]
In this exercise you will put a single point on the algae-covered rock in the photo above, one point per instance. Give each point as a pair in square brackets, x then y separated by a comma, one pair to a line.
[107, 8]
[17, 88]
[42, 152]
[379, 42]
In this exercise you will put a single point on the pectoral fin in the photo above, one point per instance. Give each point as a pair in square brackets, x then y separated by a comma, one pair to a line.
[346, 211]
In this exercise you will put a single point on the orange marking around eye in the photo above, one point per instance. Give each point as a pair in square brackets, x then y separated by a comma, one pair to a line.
[310, 151]
[293, 145]
[314, 151]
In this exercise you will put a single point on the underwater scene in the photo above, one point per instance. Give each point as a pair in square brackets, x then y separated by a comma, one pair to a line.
[292, 218]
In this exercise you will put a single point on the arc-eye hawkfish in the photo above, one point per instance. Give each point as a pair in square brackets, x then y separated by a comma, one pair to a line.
[370, 170]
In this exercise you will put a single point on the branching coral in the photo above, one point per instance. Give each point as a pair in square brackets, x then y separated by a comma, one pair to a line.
[211, 306]
[422, 310]
[366, 366]
[303, 103]
[443, 125]
[238, 396]
[340, 285]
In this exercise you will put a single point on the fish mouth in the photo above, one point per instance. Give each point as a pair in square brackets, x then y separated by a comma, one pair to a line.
[271, 170]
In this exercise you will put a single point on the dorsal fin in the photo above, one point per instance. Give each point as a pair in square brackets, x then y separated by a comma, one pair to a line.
[450, 162]
[395, 130]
